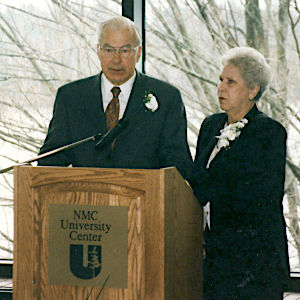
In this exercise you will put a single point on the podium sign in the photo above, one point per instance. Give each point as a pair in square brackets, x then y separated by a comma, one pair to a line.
[106, 234]
[88, 245]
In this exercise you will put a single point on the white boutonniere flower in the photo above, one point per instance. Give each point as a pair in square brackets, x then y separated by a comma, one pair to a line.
[229, 133]
[150, 102]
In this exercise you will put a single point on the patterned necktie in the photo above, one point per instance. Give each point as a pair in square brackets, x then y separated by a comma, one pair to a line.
[112, 111]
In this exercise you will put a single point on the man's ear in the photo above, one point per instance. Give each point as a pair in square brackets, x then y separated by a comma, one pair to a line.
[139, 53]
[98, 51]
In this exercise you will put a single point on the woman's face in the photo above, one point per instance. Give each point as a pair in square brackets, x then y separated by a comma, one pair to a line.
[233, 94]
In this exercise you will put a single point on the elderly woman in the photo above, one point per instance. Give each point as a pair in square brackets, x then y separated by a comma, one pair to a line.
[240, 171]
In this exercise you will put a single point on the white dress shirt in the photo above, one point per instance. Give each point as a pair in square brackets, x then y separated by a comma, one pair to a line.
[215, 151]
[124, 95]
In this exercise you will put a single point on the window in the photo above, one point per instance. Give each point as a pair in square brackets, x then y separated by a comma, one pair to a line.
[185, 40]
[42, 47]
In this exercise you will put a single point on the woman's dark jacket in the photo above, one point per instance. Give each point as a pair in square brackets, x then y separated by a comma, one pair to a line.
[245, 187]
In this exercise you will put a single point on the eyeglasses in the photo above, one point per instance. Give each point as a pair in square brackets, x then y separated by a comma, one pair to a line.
[123, 51]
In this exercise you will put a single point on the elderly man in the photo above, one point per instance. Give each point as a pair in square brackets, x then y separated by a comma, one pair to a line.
[156, 133]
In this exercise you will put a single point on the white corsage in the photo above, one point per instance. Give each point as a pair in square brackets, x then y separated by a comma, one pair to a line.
[150, 102]
[229, 133]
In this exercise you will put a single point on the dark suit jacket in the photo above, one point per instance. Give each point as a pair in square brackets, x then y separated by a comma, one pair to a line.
[245, 187]
[151, 140]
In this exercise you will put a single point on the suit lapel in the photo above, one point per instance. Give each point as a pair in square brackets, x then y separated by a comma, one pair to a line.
[215, 131]
[135, 102]
[97, 117]
[134, 108]
[250, 116]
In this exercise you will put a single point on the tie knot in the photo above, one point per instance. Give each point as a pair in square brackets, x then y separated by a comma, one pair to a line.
[116, 91]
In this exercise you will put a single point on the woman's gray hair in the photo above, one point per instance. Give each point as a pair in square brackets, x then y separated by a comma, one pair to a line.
[252, 66]
[120, 22]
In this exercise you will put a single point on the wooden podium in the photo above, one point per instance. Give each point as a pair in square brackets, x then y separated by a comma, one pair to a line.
[164, 232]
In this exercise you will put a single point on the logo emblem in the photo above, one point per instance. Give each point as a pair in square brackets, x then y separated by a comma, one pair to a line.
[93, 268]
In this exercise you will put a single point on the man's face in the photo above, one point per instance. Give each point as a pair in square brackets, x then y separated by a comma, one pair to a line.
[118, 68]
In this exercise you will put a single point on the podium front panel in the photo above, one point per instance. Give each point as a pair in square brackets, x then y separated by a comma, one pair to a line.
[70, 227]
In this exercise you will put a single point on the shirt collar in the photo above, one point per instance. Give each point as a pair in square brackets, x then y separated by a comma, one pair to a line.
[125, 87]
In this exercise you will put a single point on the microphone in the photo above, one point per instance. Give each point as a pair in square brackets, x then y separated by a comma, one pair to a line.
[108, 137]
[51, 152]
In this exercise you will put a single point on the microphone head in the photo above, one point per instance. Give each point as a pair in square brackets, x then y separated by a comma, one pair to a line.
[123, 123]
[111, 134]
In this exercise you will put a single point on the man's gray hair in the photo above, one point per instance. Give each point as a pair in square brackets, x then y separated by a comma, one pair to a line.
[252, 66]
[120, 22]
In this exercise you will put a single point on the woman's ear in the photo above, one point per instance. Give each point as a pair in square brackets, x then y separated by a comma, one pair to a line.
[253, 92]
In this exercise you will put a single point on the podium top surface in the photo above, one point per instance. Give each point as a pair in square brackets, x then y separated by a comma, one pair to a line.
[134, 178]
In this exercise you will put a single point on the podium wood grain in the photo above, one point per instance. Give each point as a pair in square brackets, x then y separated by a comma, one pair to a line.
[164, 231]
